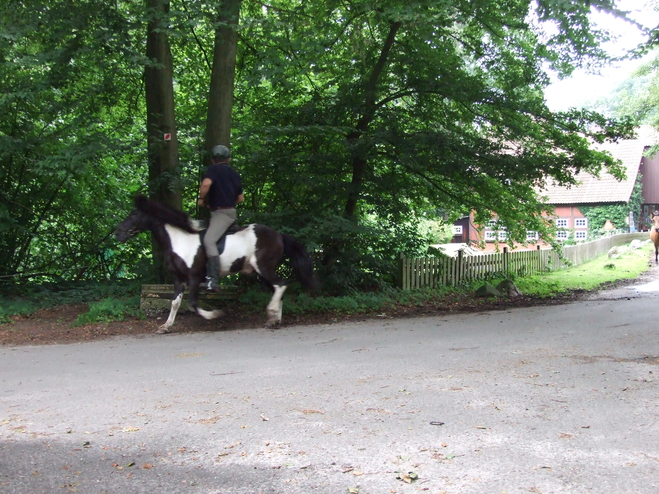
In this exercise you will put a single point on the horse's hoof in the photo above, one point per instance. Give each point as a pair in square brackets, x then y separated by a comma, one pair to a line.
[210, 314]
[273, 324]
[162, 330]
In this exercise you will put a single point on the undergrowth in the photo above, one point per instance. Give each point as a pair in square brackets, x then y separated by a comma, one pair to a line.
[110, 309]
[355, 303]
[108, 302]
[18, 300]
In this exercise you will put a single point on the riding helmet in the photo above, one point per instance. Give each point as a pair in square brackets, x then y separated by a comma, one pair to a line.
[221, 151]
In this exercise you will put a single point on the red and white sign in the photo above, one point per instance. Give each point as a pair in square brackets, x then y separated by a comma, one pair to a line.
[167, 137]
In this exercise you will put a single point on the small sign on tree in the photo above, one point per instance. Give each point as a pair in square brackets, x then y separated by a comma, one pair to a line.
[167, 136]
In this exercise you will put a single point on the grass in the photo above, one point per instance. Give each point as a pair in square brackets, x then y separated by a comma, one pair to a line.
[589, 275]
[108, 302]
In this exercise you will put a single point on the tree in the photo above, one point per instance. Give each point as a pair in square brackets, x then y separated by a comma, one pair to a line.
[164, 183]
[351, 120]
[384, 112]
[220, 95]
[67, 91]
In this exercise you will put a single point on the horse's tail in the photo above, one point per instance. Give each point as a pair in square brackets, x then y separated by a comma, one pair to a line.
[301, 262]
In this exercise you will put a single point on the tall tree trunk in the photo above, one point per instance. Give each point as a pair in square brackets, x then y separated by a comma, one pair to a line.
[220, 97]
[164, 180]
[360, 149]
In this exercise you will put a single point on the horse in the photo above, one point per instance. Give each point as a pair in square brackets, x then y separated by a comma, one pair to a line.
[654, 234]
[255, 247]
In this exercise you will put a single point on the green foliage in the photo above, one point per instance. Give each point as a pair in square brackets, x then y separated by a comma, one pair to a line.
[110, 309]
[26, 299]
[436, 231]
[350, 120]
[18, 307]
[68, 144]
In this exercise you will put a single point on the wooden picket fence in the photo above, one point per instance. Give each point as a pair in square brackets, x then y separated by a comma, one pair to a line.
[430, 272]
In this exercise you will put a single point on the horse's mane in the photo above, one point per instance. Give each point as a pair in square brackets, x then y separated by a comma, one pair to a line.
[167, 214]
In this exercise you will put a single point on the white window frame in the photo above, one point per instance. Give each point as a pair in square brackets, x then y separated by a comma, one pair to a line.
[490, 236]
[562, 235]
[562, 223]
[457, 230]
[584, 222]
[581, 234]
[502, 235]
[532, 235]
[492, 224]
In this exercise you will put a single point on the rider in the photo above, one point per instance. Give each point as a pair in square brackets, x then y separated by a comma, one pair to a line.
[220, 190]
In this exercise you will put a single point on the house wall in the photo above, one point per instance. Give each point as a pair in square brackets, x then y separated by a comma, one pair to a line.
[649, 169]
[573, 221]
[461, 231]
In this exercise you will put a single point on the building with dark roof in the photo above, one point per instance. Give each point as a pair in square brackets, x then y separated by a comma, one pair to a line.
[590, 191]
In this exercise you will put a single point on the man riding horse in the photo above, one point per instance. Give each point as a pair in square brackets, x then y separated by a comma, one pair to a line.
[221, 190]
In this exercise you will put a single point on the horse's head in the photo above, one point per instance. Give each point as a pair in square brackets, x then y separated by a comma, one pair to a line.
[654, 217]
[149, 214]
[135, 223]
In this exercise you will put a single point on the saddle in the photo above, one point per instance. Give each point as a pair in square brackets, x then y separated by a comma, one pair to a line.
[233, 228]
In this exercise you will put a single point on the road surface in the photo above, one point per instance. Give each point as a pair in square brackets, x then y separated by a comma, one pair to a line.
[541, 400]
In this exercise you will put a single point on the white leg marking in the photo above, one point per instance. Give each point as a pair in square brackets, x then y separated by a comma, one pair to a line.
[274, 308]
[176, 303]
[210, 314]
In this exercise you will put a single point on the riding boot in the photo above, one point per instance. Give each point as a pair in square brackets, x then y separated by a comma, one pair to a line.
[213, 272]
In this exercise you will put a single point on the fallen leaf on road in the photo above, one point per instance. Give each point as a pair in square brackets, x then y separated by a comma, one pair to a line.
[408, 477]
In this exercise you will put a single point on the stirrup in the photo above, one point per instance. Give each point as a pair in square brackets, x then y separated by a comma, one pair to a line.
[209, 285]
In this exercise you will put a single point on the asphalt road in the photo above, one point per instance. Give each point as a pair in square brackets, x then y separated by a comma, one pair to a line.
[540, 400]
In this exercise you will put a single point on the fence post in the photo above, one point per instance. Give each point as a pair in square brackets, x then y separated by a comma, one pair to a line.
[460, 260]
[401, 271]
[505, 260]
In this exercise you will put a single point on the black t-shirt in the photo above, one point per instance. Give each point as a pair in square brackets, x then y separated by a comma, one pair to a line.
[225, 188]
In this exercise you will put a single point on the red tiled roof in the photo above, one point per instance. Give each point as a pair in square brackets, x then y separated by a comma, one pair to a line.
[606, 188]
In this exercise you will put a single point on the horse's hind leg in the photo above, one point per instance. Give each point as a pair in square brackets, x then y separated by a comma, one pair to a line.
[274, 308]
[176, 303]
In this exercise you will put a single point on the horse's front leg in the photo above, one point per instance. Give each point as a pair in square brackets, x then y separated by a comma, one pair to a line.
[176, 303]
[193, 297]
[274, 308]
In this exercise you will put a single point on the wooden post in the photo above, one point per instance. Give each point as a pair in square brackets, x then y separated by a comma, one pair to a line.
[460, 261]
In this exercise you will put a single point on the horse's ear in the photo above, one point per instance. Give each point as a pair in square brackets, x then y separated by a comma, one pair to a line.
[141, 202]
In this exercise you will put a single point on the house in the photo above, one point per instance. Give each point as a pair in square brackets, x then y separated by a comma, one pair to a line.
[590, 191]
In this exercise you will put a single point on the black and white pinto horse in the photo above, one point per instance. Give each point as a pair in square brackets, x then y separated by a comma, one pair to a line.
[252, 248]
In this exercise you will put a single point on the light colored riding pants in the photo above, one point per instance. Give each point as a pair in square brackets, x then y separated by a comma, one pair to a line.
[221, 219]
